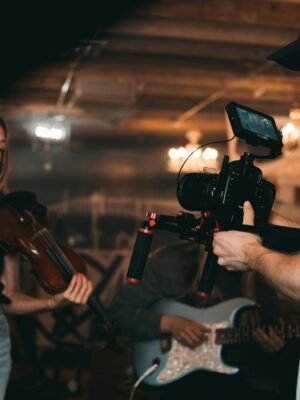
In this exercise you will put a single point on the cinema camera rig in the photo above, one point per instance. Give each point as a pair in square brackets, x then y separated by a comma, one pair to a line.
[220, 198]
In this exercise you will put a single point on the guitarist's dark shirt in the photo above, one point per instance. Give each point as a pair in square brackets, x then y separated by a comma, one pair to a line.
[171, 272]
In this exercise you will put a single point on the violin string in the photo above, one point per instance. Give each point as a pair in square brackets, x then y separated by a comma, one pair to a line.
[56, 251]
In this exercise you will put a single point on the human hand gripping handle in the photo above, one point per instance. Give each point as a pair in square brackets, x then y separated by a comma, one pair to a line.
[234, 248]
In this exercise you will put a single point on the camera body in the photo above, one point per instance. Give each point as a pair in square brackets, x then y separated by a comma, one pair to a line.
[224, 194]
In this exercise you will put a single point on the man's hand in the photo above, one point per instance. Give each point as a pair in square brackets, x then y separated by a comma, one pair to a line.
[268, 341]
[234, 249]
[186, 331]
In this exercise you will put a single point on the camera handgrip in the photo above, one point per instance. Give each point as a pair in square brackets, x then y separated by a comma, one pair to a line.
[139, 255]
[209, 275]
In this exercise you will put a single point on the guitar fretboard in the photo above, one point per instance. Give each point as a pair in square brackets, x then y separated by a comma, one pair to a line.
[286, 331]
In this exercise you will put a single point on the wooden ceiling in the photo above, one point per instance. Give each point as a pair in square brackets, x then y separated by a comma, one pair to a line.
[166, 67]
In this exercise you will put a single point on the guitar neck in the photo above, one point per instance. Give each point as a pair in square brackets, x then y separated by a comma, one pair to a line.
[286, 331]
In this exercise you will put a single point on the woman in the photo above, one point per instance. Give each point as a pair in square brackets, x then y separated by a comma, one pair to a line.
[77, 292]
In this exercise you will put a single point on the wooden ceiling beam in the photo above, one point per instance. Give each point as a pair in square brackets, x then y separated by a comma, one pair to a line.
[192, 77]
[154, 70]
[183, 48]
[213, 32]
[278, 13]
[185, 85]
[259, 92]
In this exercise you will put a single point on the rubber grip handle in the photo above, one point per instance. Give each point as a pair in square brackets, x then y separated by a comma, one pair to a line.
[209, 275]
[139, 255]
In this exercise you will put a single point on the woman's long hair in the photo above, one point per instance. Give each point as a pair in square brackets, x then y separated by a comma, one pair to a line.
[5, 160]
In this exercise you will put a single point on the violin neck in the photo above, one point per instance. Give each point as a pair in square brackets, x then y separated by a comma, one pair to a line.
[96, 307]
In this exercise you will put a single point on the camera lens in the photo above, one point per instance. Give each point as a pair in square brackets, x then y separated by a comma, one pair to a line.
[195, 191]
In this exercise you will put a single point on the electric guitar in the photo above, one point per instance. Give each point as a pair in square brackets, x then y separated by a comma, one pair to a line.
[176, 360]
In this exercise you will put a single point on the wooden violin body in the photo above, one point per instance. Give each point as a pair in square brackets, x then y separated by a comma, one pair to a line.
[23, 230]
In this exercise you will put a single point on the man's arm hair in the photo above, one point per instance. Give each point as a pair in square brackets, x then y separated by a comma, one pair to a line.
[282, 270]
[277, 219]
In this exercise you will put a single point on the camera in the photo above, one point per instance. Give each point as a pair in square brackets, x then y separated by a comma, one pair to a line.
[219, 197]
[238, 181]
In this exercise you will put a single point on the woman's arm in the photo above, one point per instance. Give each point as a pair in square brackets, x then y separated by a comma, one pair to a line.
[77, 292]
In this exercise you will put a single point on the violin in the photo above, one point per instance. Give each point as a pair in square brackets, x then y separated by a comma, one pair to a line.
[23, 230]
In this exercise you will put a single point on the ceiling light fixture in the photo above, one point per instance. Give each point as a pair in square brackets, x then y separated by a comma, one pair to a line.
[51, 129]
[201, 158]
[291, 130]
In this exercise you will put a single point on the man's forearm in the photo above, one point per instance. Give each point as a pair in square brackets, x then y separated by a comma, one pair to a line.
[283, 271]
[278, 219]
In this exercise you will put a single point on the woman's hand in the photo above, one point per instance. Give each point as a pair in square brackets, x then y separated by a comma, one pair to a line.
[186, 331]
[78, 292]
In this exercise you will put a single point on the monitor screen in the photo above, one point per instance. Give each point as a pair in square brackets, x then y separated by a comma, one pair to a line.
[257, 123]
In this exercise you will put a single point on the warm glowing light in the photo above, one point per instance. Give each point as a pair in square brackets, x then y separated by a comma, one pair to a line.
[290, 135]
[288, 129]
[44, 132]
[175, 154]
[55, 128]
[291, 130]
[200, 158]
[210, 154]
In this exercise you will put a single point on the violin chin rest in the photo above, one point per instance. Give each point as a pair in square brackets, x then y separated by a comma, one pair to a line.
[22, 200]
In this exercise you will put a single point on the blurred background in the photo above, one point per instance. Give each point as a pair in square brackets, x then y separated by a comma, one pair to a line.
[104, 101]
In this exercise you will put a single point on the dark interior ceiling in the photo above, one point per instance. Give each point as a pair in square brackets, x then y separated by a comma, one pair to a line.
[146, 70]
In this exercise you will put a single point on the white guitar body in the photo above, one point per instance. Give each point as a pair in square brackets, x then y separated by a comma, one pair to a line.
[181, 360]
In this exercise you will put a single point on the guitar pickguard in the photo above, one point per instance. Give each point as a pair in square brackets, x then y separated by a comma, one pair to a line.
[182, 359]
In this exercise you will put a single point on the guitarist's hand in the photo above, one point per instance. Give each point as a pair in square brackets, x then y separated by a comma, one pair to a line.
[186, 331]
[268, 341]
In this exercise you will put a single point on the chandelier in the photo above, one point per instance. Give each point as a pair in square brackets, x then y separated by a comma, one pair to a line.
[291, 131]
[49, 134]
[200, 158]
